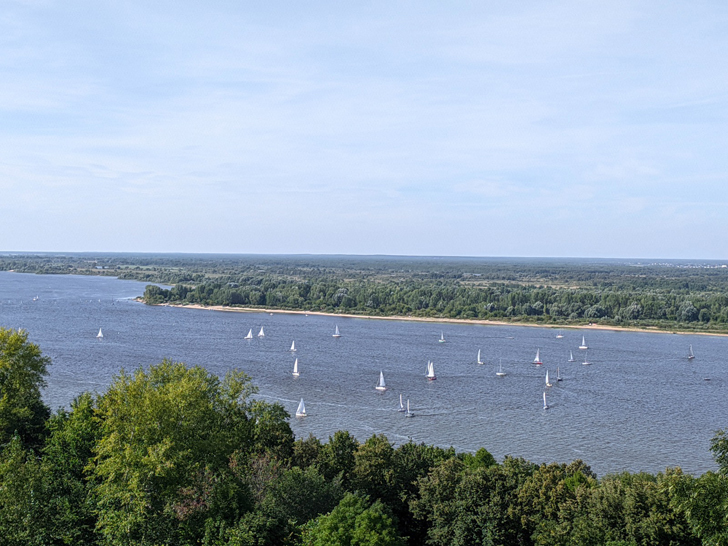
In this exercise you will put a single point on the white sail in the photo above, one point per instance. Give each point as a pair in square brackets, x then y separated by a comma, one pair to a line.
[401, 405]
[479, 359]
[431, 371]
[250, 334]
[500, 372]
[571, 356]
[545, 405]
[301, 411]
[293, 346]
[442, 337]
[336, 332]
[381, 386]
[100, 334]
[583, 343]
[547, 379]
[586, 362]
[537, 360]
[558, 374]
[295, 368]
[408, 413]
[261, 333]
[690, 353]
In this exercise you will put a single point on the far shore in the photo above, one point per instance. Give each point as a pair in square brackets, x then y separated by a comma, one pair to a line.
[591, 326]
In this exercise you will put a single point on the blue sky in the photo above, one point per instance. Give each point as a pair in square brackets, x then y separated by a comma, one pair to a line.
[595, 129]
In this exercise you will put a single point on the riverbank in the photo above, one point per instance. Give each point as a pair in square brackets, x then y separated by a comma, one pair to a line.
[442, 320]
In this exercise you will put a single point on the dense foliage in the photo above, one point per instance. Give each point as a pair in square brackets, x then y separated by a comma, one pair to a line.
[174, 455]
[669, 295]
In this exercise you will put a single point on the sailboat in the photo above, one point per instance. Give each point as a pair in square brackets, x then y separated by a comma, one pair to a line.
[301, 411]
[500, 372]
[401, 405]
[586, 362]
[431, 371]
[295, 368]
[293, 346]
[336, 331]
[583, 343]
[571, 357]
[442, 337]
[537, 360]
[261, 333]
[690, 352]
[381, 386]
[558, 375]
[250, 334]
[545, 405]
[479, 359]
[547, 379]
[408, 413]
[559, 334]
[100, 335]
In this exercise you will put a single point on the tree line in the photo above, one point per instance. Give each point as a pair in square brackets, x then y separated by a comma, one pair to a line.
[171, 454]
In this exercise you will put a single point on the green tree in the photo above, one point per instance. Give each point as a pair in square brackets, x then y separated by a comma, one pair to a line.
[162, 463]
[22, 375]
[337, 457]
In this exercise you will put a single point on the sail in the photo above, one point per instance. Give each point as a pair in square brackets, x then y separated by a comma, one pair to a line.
[261, 333]
[571, 356]
[545, 405]
[690, 352]
[301, 411]
[583, 343]
[442, 337]
[381, 385]
[547, 378]
[295, 367]
[250, 334]
[293, 346]
[401, 405]
[336, 332]
[431, 370]
[479, 360]
[100, 334]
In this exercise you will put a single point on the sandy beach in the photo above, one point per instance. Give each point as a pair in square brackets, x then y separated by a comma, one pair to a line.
[592, 326]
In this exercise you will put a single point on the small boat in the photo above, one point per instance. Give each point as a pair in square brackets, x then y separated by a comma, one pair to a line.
[537, 360]
[401, 405]
[100, 335]
[500, 372]
[381, 386]
[295, 368]
[250, 334]
[336, 332]
[480, 361]
[583, 343]
[547, 379]
[545, 405]
[586, 362]
[301, 411]
[431, 371]
[408, 413]
[690, 353]
[442, 337]
[558, 374]
[559, 334]
[261, 333]
[571, 357]
[293, 346]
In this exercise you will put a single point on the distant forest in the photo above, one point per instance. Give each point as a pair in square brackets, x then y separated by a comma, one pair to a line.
[674, 295]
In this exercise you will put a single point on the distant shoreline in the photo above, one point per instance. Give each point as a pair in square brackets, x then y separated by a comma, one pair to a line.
[483, 322]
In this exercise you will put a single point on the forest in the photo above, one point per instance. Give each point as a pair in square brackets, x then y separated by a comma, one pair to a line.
[171, 454]
[667, 295]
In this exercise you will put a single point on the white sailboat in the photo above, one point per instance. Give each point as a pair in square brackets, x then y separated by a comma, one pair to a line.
[408, 413]
[250, 334]
[301, 411]
[431, 371]
[442, 337]
[571, 357]
[537, 360]
[690, 352]
[480, 361]
[586, 362]
[559, 334]
[293, 346]
[261, 333]
[100, 335]
[500, 372]
[545, 405]
[295, 368]
[583, 343]
[547, 379]
[381, 386]
[336, 332]
[558, 374]
[401, 405]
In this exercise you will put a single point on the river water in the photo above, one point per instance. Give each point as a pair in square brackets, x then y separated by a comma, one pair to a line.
[639, 405]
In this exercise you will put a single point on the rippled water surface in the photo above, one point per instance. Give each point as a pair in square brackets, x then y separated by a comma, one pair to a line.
[639, 405]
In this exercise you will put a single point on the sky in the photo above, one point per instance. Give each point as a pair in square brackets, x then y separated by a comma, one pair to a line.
[549, 128]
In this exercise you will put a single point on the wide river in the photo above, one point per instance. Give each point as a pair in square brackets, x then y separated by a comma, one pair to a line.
[639, 405]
